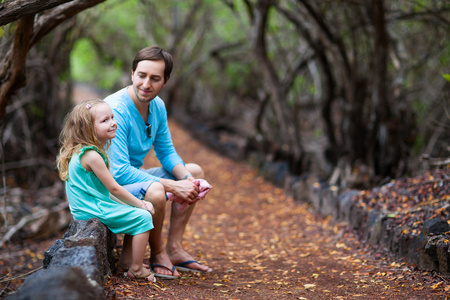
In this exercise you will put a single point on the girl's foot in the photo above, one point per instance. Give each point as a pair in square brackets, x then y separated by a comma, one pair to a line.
[122, 268]
[149, 276]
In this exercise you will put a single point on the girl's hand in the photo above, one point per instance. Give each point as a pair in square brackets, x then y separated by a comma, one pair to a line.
[149, 207]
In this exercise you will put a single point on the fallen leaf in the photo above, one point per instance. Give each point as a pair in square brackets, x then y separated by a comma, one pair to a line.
[435, 286]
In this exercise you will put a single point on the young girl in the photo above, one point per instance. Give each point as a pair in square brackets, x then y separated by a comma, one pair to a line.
[82, 162]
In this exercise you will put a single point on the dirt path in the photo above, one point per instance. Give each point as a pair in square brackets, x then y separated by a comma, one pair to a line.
[262, 245]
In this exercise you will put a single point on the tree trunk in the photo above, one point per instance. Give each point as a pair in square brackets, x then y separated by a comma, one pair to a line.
[12, 73]
[288, 136]
[386, 155]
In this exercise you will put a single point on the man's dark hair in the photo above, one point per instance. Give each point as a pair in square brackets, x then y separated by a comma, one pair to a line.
[155, 53]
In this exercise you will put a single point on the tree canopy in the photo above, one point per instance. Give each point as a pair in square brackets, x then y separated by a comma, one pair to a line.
[353, 87]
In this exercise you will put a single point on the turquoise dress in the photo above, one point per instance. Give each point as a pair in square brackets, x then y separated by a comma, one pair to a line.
[89, 198]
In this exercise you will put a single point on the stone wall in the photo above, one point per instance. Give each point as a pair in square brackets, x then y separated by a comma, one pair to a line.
[428, 250]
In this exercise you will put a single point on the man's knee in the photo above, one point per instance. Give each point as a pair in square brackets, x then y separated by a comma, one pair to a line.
[155, 194]
[195, 170]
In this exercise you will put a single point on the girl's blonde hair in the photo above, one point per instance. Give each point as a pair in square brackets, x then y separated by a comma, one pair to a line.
[78, 131]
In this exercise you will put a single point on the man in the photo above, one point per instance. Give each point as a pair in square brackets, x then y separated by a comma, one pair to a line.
[142, 123]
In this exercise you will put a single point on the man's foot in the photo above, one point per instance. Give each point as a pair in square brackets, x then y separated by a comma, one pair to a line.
[184, 262]
[192, 266]
[162, 267]
[172, 270]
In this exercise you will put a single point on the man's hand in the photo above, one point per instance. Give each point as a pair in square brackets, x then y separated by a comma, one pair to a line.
[185, 190]
[204, 188]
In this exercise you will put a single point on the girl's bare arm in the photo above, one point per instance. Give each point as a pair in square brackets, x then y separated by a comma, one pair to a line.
[92, 161]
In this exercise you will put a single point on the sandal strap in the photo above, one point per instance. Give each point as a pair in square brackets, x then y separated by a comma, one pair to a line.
[165, 267]
[188, 262]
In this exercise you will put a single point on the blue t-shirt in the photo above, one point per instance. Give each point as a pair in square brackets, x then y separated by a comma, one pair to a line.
[131, 144]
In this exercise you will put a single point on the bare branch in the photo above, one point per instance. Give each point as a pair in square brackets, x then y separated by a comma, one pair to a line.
[49, 20]
[14, 10]
[30, 162]
[37, 215]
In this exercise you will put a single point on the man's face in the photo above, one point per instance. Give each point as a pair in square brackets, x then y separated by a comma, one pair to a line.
[148, 79]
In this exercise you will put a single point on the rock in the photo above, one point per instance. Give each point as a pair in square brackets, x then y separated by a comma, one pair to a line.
[315, 195]
[83, 257]
[429, 239]
[59, 283]
[48, 255]
[374, 226]
[275, 172]
[344, 204]
[409, 248]
[387, 234]
[435, 226]
[357, 218]
[93, 233]
[443, 258]
[427, 262]
[329, 201]
[75, 267]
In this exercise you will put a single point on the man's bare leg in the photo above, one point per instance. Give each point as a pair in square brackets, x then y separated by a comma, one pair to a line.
[178, 222]
[158, 255]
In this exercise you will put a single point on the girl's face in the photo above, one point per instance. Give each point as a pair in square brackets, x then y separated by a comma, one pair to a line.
[104, 124]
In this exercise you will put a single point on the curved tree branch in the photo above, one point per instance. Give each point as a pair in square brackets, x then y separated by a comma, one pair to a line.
[14, 10]
[328, 34]
[49, 20]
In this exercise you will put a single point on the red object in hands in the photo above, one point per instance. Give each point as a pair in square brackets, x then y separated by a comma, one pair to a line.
[204, 188]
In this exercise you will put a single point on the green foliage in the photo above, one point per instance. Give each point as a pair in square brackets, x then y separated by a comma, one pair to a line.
[421, 108]
[312, 89]
[237, 74]
[418, 145]
[37, 111]
[444, 57]
[110, 38]
[447, 77]
[318, 132]
[88, 67]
